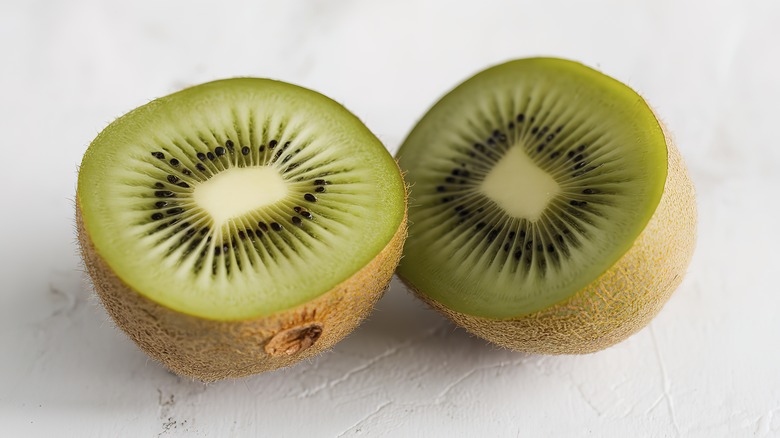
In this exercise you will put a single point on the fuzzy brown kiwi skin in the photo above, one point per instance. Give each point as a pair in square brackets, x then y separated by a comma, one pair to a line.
[621, 301]
[209, 350]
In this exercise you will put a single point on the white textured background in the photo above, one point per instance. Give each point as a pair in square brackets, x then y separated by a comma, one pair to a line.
[708, 366]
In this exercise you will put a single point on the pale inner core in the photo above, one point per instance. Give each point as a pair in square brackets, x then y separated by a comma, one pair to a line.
[239, 190]
[519, 186]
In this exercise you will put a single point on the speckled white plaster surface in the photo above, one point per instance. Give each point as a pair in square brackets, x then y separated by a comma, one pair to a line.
[708, 366]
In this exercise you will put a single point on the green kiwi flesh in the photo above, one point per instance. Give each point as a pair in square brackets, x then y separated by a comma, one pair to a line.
[238, 199]
[529, 181]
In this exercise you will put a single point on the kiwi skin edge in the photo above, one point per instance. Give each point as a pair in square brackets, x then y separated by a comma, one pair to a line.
[623, 299]
[210, 350]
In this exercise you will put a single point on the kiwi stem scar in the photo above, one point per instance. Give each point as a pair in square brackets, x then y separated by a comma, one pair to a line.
[236, 191]
[519, 186]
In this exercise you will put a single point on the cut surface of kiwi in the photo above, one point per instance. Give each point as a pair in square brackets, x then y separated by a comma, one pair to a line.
[239, 199]
[531, 181]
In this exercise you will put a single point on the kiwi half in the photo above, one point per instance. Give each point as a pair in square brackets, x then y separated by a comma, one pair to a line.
[550, 212]
[240, 225]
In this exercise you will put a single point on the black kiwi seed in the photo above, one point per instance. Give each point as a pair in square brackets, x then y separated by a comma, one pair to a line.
[581, 148]
[480, 226]
[555, 155]
[250, 232]
[507, 246]
[441, 189]
[306, 214]
[464, 213]
[241, 235]
[520, 117]
[275, 226]
[579, 165]
[261, 148]
[550, 248]
[172, 179]
[296, 220]
[590, 191]
[309, 197]
[449, 179]
[186, 172]
[229, 144]
[259, 232]
[262, 226]
[297, 209]
[201, 167]
[511, 125]
[203, 231]
[163, 194]
[522, 234]
[540, 147]
[320, 182]
[529, 245]
[220, 151]
[183, 185]
[159, 155]
[492, 235]
[217, 250]
[319, 189]
[211, 156]
[245, 150]
[491, 142]
[175, 210]
[540, 247]
[534, 130]
[157, 216]
[549, 137]
[578, 158]
[272, 144]
[174, 162]
[225, 248]
[571, 154]
[511, 235]
[161, 204]
[518, 254]
[201, 156]
[159, 185]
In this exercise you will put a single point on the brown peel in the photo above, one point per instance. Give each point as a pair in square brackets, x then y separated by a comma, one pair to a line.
[210, 350]
[621, 301]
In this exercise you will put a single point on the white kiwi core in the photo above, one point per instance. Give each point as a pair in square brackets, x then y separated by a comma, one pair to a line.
[237, 191]
[519, 186]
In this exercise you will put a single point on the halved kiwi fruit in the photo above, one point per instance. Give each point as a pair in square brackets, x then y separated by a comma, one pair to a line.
[549, 210]
[240, 225]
